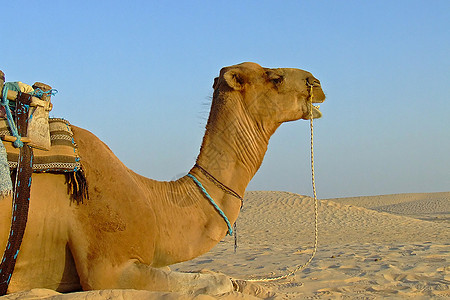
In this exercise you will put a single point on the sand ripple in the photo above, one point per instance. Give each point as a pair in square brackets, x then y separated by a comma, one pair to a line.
[369, 247]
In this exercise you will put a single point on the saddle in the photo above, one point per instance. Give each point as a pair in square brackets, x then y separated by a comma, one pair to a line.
[61, 155]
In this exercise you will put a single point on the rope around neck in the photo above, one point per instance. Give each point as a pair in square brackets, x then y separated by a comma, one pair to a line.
[228, 191]
[316, 210]
[221, 213]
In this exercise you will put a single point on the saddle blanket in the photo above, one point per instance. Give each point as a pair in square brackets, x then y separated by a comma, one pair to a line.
[63, 153]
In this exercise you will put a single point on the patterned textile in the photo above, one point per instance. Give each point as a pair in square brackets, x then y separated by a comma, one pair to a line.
[63, 154]
[5, 178]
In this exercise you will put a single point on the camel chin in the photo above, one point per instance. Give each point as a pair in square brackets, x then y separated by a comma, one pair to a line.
[317, 114]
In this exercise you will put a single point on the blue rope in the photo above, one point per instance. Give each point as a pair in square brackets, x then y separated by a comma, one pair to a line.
[5, 103]
[39, 93]
[9, 117]
[221, 213]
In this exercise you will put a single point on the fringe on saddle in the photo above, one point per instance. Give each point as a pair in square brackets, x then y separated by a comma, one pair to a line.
[77, 186]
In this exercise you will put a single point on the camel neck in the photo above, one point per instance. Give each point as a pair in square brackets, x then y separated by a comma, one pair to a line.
[234, 146]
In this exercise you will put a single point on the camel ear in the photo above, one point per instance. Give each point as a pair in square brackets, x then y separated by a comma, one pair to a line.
[216, 81]
[234, 79]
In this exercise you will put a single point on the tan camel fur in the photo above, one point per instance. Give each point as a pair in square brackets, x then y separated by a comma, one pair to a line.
[131, 227]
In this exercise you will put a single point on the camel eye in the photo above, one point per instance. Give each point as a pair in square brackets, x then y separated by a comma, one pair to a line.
[275, 78]
[278, 80]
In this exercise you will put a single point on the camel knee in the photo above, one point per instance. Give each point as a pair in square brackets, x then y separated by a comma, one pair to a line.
[143, 277]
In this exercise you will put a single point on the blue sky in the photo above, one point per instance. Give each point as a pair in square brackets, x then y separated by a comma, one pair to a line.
[139, 74]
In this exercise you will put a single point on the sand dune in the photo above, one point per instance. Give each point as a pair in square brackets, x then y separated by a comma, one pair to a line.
[394, 246]
[362, 251]
[424, 206]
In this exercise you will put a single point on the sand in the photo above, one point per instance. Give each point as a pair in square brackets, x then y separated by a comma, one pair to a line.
[395, 246]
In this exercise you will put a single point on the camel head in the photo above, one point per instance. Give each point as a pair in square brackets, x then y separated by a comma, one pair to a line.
[270, 95]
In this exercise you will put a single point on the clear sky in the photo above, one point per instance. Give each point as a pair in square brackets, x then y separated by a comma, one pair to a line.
[139, 74]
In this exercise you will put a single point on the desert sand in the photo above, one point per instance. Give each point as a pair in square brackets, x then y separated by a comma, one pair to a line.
[394, 246]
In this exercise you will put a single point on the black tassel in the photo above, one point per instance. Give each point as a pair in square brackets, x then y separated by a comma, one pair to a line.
[77, 186]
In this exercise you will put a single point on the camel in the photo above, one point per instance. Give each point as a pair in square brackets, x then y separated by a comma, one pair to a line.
[132, 228]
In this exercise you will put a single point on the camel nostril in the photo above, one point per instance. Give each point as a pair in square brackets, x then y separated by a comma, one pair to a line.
[311, 81]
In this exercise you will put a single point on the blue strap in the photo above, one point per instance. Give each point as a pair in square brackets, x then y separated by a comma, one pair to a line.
[221, 213]
[5, 103]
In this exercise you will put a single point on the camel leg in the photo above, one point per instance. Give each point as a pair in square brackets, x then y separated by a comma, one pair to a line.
[136, 275]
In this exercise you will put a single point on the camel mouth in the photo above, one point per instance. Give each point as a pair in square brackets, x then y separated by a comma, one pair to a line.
[316, 96]
[316, 112]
